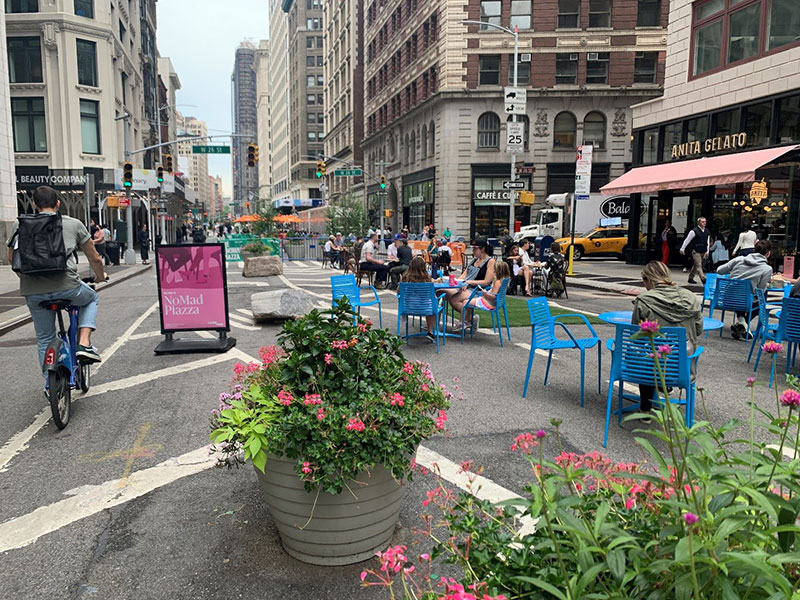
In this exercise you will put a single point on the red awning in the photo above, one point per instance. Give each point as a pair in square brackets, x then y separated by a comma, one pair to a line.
[716, 170]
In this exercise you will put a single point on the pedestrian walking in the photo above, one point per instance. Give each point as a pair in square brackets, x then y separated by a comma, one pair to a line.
[747, 241]
[99, 241]
[699, 243]
[144, 244]
[668, 237]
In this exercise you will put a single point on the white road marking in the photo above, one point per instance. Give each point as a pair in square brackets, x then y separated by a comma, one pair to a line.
[255, 283]
[245, 311]
[106, 354]
[141, 336]
[242, 323]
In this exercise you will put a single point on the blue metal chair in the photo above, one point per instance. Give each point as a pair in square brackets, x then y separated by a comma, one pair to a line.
[632, 362]
[419, 300]
[734, 295]
[543, 337]
[789, 328]
[709, 287]
[764, 332]
[344, 286]
[500, 303]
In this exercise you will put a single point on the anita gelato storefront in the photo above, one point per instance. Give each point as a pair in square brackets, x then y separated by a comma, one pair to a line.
[737, 166]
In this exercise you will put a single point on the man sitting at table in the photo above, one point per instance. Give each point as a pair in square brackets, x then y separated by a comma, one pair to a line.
[371, 262]
[404, 256]
[753, 267]
[671, 306]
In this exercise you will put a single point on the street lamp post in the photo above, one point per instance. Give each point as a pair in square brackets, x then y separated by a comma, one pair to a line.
[515, 33]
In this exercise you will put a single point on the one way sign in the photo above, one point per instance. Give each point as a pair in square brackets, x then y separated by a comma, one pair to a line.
[513, 185]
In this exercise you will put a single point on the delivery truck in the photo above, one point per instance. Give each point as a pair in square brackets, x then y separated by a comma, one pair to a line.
[555, 219]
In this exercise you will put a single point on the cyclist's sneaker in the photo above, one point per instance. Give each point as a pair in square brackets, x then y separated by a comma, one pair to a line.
[88, 354]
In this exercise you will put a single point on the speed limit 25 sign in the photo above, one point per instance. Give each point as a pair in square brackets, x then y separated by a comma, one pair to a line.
[514, 137]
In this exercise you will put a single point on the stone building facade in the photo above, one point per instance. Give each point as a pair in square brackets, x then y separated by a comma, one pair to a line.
[245, 125]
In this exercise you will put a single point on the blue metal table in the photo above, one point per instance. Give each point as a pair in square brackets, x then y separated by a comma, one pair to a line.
[623, 317]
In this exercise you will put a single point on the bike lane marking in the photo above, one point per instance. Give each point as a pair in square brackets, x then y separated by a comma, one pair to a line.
[19, 441]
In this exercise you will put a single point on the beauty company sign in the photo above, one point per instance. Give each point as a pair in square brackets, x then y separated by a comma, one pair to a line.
[192, 288]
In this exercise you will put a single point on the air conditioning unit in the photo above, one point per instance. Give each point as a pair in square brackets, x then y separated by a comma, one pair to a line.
[525, 58]
[573, 56]
[591, 56]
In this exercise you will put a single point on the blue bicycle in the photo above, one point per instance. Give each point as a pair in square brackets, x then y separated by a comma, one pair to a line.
[65, 371]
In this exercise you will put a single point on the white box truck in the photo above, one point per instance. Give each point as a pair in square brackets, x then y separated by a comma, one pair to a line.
[556, 218]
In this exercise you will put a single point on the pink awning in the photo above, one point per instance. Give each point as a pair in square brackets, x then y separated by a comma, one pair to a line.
[716, 170]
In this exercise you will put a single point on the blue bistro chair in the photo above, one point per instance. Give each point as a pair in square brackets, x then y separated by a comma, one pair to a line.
[632, 362]
[765, 331]
[734, 295]
[419, 300]
[344, 286]
[500, 304]
[789, 329]
[543, 337]
[709, 287]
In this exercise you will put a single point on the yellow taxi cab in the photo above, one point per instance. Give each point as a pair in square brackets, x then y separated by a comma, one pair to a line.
[600, 241]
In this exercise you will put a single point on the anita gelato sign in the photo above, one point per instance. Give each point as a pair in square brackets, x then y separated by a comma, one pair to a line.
[734, 141]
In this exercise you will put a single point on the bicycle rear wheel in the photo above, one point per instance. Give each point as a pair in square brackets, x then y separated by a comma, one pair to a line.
[85, 377]
[60, 396]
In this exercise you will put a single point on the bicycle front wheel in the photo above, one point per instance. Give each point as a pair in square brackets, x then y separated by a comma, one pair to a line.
[60, 396]
[85, 377]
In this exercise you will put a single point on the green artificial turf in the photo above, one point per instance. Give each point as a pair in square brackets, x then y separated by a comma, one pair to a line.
[518, 314]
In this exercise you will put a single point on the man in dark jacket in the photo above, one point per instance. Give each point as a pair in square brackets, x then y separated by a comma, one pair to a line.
[404, 256]
[699, 242]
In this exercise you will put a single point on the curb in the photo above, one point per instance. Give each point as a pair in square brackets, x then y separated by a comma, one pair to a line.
[25, 319]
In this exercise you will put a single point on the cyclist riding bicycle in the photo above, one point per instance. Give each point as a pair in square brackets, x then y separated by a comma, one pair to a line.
[63, 284]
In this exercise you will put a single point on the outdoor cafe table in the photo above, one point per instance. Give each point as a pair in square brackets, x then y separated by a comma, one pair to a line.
[445, 285]
[623, 317]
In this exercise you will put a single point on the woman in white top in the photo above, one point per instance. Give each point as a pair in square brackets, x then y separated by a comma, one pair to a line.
[746, 243]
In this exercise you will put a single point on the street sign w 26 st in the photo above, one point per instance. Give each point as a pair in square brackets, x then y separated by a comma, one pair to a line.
[347, 173]
[211, 149]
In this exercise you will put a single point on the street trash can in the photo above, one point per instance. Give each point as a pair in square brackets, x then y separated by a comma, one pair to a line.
[112, 250]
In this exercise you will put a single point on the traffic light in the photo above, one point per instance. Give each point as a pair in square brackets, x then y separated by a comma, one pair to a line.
[383, 182]
[160, 174]
[251, 155]
[257, 153]
[387, 213]
[320, 169]
[247, 205]
[168, 162]
[127, 174]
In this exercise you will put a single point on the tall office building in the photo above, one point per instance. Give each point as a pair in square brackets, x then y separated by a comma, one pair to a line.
[264, 121]
[245, 126]
[279, 103]
[8, 200]
[344, 88]
[167, 114]
[197, 177]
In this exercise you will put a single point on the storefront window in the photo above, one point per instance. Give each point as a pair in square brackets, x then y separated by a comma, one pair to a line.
[726, 122]
[697, 129]
[672, 136]
[650, 148]
[757, 121]
[418, 200]
[789, 120]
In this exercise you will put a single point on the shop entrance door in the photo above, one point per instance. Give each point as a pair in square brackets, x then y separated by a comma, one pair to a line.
[489, 221]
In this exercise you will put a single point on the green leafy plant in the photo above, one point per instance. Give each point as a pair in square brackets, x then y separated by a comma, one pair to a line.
[337, 397]
[347, 215]
[714, 515]
[265, 226]
[257, 248]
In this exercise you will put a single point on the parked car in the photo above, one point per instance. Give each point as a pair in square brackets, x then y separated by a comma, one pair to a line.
[600, 241]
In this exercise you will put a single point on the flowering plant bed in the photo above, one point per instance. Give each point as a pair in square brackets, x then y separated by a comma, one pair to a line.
[336, 398]
[713, 516]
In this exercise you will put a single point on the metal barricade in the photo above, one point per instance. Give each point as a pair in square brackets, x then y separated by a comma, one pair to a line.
[303, 248]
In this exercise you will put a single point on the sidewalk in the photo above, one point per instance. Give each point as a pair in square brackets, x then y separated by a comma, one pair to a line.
[616, 276]
[14, 313]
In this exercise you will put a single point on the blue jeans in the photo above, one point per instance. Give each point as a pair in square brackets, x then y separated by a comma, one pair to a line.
[44, 320]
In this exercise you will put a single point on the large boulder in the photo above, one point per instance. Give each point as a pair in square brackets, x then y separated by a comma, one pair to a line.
[280, 305]
[262, 266]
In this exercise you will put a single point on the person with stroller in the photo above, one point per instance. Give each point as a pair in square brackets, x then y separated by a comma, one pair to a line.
[555, 270]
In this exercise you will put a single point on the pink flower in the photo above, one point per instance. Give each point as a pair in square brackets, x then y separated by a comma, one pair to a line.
[441, 419]
[691, 518]
[362, 327]
[630, 503]
[751, 381]
[355, 425]
[312, 399]
[307, 469]
[408, 368]
[397, 399]
[772, 347]
[540, 434]
[664, 350]
[253, 367]
[268, 354]
[525, 442]
[285, 397]
[425, 387]
[339, 344]
[238, 368]
[393, 560]
[424, 556]
[363, 575]
[790, 398]
[320, 414]
[649, 326]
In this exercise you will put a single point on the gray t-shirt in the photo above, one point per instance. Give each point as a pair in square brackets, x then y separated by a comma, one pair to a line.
[75, 236]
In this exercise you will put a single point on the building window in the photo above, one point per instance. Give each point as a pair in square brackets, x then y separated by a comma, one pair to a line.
[567, 68]
[650, 146]
[314, 24]
[311, 117]
[599, 13]
[313, 4]
[320, 100]
[30, 134]
[124, 80]
[122, 31]
[90, 126]
[597, 67]
[727, 122]
[310, 79]
[560, 178]
[789, 120]
[22, 6]
[569, 13]
[526, 134]
[594, 130]
[490, 13]
[309, 42]
[319, 60]
[520, 14]
[320, 81]
[311, 99]
[489, 67]
[523, 72]
[564, 130]
[645, 67]
[757, 124]
[489, 130]
[24, 59]
[312, 136]
[743, 35]
[84, 8]
[672, 136]
[311, 61]
[697, 129]
[649, 13]
[783, 23]
[87, 63]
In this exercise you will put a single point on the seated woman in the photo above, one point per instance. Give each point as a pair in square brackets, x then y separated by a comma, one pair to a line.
[417, 272]
[479, 272]
[671, 306]
[487, 299]
[555, 268]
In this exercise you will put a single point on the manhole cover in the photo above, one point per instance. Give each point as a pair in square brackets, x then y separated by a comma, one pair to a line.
[17, 343]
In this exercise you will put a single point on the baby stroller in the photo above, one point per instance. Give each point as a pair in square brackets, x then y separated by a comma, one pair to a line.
[556, 276]
[538, 281]
[443, 260]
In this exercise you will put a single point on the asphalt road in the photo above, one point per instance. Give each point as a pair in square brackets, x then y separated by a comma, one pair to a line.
[88, 513]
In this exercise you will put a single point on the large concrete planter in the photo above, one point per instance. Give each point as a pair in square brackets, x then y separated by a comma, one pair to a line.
[327, 529]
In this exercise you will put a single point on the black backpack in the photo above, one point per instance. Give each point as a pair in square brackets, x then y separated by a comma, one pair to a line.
[40, 245]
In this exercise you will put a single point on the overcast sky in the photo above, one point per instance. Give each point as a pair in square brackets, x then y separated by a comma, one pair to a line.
[201, 37]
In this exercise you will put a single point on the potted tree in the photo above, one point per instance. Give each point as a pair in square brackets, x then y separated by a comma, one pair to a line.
[331, 419]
